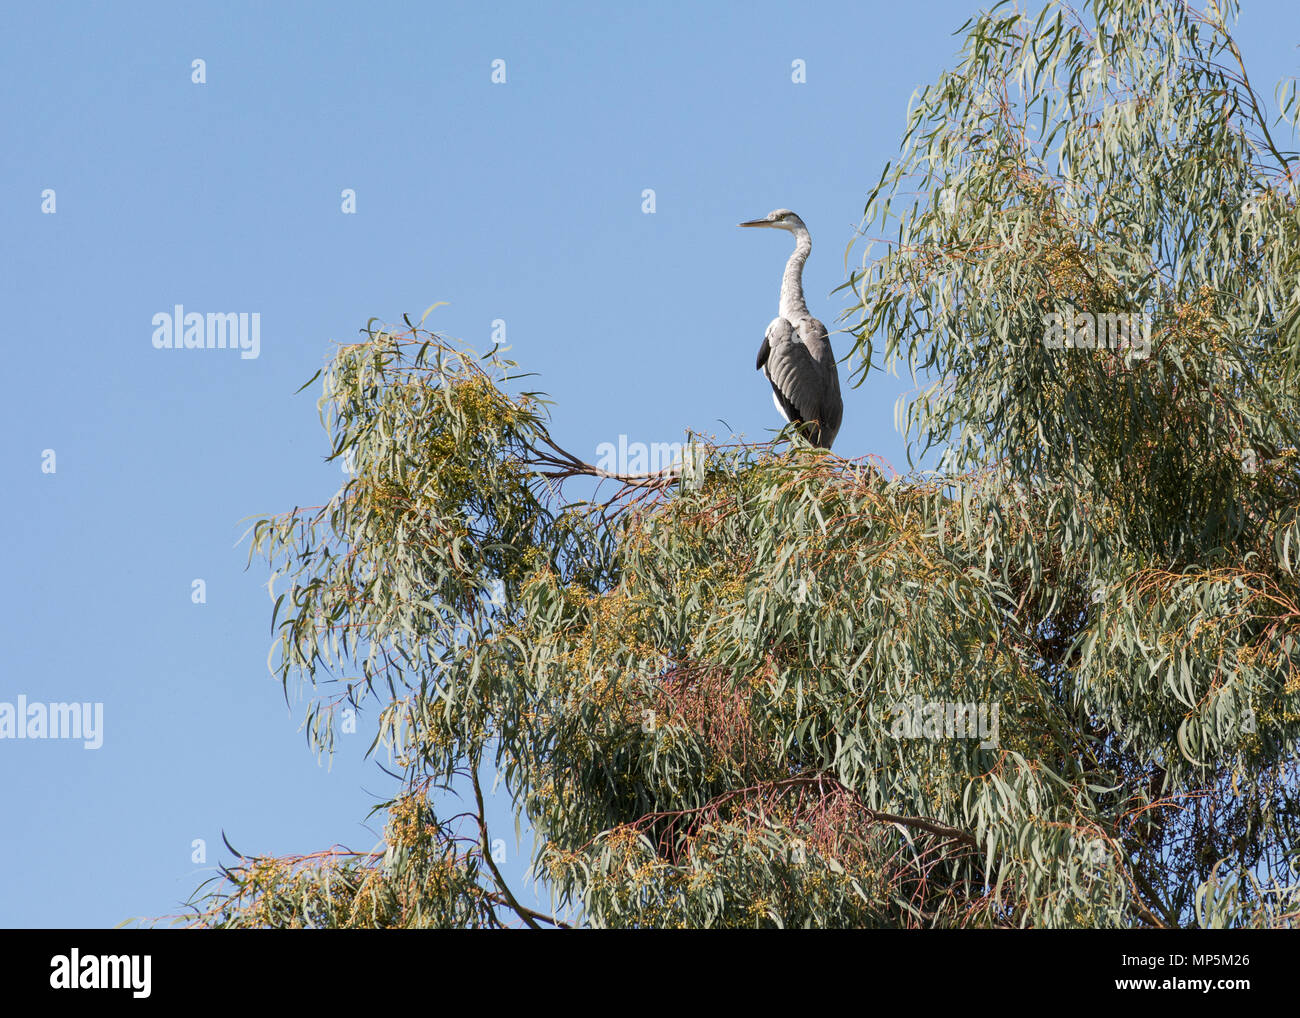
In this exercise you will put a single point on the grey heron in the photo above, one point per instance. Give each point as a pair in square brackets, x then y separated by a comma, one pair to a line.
[796, 354]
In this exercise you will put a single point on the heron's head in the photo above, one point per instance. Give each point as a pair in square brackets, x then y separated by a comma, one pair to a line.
[780, 219]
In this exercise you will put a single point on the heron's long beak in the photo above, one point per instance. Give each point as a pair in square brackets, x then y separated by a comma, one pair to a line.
[756, 222]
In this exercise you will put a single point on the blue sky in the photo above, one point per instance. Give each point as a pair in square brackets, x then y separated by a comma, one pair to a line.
[519, 201]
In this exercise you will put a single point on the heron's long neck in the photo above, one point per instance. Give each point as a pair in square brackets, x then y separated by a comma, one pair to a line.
[792, 306]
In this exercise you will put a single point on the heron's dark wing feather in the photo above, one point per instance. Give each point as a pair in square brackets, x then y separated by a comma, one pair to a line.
[830, 410]
[805, 386]
[796, 380]
[779, 334]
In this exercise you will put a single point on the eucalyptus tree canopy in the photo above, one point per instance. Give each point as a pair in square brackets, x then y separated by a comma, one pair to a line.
[742, 694]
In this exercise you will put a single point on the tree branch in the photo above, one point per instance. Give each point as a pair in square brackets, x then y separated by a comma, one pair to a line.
[526, 914]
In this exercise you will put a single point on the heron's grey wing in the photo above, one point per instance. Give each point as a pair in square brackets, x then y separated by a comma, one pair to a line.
[830, 412]
[778, 331]
[797, 379]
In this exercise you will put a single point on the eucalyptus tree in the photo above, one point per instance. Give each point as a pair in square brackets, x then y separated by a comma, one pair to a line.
[1052, 683]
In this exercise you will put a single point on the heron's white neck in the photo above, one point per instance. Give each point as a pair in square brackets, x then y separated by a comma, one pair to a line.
[793, 308]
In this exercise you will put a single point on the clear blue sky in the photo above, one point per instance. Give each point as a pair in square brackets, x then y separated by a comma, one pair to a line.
[520, 201]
